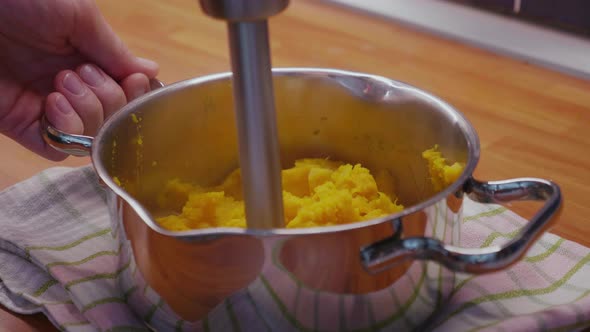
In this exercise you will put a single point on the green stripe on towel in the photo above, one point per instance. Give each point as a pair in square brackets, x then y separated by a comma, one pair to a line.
[69, 245]
[179, 325]
[540, 257]
[520, 292]
[488, 214]
[44, 287]
[256, 308]
[488, 241]
[107, 300]
[150, 314]
[97, 276]
[380, 325]
[84, 260]
[232, 316]
[128, 292]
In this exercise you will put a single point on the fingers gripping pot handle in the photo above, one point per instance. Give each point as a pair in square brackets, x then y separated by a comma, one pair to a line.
[391, 251]
[75, 145]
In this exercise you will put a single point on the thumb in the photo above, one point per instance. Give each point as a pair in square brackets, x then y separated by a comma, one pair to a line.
[95, 38]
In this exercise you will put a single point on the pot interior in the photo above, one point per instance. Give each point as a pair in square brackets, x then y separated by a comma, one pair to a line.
[187, 131]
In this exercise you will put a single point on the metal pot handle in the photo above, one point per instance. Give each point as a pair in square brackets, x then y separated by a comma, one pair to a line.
[392, 251]
[75, 145]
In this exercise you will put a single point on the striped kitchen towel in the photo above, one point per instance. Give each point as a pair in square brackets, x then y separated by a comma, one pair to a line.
[58, 256]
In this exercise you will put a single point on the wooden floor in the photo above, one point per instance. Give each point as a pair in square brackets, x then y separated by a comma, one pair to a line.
[532, 122]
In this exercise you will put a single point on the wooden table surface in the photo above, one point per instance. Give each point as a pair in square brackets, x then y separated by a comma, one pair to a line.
[531, 121]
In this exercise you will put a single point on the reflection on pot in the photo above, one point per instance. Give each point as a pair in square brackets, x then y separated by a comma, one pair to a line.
[296, 289]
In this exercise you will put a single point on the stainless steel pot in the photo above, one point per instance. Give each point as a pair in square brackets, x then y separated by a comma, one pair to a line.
[186, 130]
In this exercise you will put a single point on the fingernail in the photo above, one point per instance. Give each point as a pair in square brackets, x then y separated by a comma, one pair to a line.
[91, 75]
[63, 105]
[73, 84]
[149, 64]
[138, 92]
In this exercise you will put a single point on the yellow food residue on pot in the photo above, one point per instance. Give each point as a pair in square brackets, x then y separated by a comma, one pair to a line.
[441, 174]
[316, 192]
[117, 181]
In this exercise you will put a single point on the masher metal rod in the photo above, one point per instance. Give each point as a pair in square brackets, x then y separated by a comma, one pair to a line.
[254, 106]
[257, 130]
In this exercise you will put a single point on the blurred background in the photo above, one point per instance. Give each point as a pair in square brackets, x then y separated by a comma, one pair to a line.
[567, 15]
[553, 34]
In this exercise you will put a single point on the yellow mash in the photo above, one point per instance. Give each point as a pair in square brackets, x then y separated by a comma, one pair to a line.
[441, 174]
[316, 192]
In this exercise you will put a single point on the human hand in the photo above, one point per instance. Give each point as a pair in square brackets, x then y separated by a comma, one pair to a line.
[60, 58]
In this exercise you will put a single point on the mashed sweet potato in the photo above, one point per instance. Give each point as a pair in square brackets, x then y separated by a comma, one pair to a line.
[316, 192]
[441, 174]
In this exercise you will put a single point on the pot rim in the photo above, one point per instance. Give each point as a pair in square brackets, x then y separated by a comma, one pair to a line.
[467, 129]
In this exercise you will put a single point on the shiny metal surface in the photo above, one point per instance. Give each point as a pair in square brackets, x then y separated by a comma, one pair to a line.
[255, 107]
[352, 117]
[260, 162]
[243, 10]
[75, 145]
[320, 113]
[387, 253]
